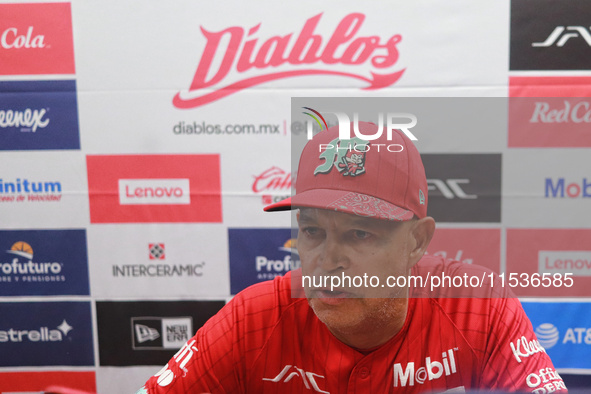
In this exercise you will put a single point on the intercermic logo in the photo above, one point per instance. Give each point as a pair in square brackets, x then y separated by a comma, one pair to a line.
[235, 52]
[37, 334]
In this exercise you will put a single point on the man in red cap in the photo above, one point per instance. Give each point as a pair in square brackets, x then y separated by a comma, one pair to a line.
[352, 320]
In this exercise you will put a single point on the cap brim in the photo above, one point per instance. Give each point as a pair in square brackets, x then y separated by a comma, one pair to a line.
[343, 201]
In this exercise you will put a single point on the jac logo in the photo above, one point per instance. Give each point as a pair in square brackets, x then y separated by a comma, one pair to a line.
[450, 188]
[561, 34]
[12, 38]
[558, 188]
[432, 370]
[290, 372]
[236, 50]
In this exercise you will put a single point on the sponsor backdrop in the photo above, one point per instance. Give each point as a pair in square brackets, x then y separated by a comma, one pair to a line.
[139, 144]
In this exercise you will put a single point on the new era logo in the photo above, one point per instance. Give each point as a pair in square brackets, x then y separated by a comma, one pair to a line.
[145, 333]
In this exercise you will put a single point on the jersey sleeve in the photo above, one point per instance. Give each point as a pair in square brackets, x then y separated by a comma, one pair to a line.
[207, 363]
[217, 358]
[514, 359]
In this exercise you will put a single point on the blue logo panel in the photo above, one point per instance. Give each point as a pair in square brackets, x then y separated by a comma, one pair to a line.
[257, 255]
[43, 262]
[45, 333]
[38, 115]
[564, 330]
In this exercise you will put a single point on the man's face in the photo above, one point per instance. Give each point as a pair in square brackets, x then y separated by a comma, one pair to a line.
[334, 243]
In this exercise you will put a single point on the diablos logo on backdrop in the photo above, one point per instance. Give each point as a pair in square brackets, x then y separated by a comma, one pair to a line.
[154, 188]
[43, 262]
[238, 58]
[36, 39]
[257, 255]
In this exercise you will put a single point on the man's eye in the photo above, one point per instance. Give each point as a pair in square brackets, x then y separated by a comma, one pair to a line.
[360, 234]
[311, 231]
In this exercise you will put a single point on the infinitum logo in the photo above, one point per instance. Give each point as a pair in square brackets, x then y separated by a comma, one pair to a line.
[41, 334]
[22, 189]
[235, 53]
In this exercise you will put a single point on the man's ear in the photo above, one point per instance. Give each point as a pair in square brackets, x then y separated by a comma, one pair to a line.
[421, 234]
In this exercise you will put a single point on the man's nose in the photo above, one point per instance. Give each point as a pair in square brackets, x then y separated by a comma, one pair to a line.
[333, 256]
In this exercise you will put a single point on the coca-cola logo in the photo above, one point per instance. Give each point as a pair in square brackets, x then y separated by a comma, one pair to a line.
[13, 38]
[237, 50]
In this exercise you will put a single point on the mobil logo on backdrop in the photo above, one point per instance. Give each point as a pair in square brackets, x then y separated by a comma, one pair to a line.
[560, 187]
[36, 39]
[154, 188]
[237, 57]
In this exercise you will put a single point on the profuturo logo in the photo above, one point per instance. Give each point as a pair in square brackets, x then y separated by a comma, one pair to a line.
[237, 53]
[22, 264]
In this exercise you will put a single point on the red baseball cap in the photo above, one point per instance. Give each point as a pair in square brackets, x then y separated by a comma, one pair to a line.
[381, 178]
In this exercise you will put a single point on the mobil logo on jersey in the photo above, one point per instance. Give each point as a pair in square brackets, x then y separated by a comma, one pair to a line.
[242, 56]
[36, 39]
[481, 246]
[559, 258]
[257, 255]
[273, 184]
[46, 333]
[563, 329]
[417, 373]
[549, 111]
[37, 115]
[559, 40]
[464, 187]
[154, 188]
[43, 262]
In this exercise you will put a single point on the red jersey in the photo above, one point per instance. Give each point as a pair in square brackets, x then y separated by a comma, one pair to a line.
[265, 341]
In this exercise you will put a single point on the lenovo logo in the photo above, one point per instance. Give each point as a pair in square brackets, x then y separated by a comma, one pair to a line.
[154, 191]
[290, 372]
[236, 50]
[450, 188]
[561, 34]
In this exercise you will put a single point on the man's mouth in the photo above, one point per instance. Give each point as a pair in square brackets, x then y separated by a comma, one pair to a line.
[327, 293]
